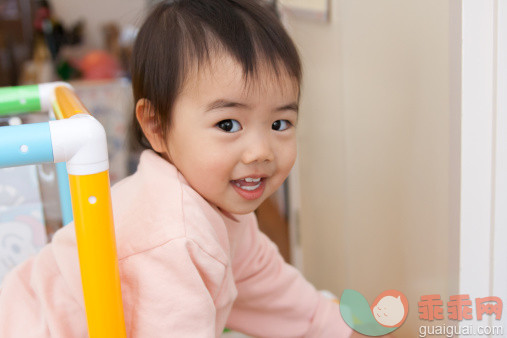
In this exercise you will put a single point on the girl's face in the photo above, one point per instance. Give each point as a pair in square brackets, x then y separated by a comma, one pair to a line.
[234, 144]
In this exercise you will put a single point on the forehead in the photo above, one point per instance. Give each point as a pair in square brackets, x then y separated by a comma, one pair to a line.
[221, 74]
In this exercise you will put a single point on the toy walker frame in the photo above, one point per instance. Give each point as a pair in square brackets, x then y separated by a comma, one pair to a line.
[78, 140]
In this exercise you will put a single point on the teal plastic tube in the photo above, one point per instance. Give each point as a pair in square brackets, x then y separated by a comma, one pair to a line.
[64, 191]
[25, 144]
[63, 187]
[21, 99]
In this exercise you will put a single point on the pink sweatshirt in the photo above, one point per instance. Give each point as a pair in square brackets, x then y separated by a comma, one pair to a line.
[187, 270]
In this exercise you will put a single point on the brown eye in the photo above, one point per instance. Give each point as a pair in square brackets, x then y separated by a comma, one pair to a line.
[230, 126]
[280, 125]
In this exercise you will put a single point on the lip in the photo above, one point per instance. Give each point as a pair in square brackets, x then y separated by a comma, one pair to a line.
[252, 194]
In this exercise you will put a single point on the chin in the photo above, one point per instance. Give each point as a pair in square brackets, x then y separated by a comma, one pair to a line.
[244, 208]
[240, 210]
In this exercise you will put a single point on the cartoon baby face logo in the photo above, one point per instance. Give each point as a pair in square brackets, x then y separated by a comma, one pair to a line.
[388, 312]
[390, 308]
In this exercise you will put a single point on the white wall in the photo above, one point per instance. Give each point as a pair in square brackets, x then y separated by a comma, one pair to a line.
[377, 150]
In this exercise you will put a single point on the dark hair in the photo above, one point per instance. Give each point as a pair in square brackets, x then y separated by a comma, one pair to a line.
[179, 34]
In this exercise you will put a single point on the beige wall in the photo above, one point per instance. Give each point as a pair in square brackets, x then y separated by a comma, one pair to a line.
[375, 147]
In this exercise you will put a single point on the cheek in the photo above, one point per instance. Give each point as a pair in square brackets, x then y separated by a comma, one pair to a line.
[207, 169]
[215, 167]
[287, 158]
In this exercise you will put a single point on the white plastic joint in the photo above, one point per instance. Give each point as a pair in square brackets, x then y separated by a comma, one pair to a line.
[81, 142]
[47, 94]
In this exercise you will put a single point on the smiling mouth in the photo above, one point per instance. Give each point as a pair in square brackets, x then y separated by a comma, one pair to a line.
[248, 184]
[250, 188]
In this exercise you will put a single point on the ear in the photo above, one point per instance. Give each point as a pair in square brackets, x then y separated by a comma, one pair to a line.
[150, 124]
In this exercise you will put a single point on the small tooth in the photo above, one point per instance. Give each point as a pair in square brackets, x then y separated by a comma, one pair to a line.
[250, 188]
[249, 179]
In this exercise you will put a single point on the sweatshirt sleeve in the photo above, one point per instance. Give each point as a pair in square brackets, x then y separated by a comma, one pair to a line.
[274, 299]
[36, 301]
[170, 290]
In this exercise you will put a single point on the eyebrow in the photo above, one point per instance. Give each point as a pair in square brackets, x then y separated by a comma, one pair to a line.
[221, 103]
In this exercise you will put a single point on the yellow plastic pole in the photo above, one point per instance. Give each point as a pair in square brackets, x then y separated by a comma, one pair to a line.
[93, 219]
[68, 102]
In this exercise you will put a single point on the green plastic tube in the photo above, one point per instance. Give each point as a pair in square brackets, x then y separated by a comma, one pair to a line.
[18, 100]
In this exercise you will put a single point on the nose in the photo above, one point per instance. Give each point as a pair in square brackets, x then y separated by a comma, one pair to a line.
[258, 149]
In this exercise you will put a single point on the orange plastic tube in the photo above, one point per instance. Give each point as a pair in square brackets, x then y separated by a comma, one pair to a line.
[68, 102]
[93, 218]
